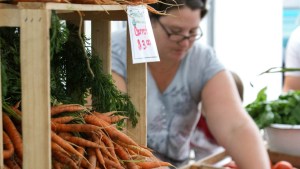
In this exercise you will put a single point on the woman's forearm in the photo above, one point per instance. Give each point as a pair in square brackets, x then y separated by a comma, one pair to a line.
[247, 148]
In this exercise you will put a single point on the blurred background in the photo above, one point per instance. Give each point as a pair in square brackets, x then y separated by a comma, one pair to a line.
[249, 37]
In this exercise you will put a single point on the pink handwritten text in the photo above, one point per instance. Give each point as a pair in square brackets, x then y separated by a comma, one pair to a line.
[140, 31]
[143, 44]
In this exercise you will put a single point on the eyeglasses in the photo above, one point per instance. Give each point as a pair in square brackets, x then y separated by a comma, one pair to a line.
[197, 34]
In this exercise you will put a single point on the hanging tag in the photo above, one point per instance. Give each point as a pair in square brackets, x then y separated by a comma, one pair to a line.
[143, 45]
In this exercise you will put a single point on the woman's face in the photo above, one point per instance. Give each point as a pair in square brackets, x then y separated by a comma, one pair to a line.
[184, 22]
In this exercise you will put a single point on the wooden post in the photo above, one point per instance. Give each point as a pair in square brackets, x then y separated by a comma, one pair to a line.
[35, 73]
[137, 90]
[1, 121]
[101, 41]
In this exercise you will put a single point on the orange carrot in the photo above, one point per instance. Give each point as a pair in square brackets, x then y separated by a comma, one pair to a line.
[17, 110]
[62, 120]
[13, 134]
[66, 108]
[83, 162]
[79, 141]
[81, 150]
[110, 113]
[8, 150]
[112, 131]
[121, 152]
[133, 154]
[152, 10]
[102, 116]
[56, 147]
[18, 161]
[102, 146]
[92, 158]
[137, 149]
[108, 142]
[109, 118]
[117, 118]
[112, 163]
[64, 159]
[99, 157]
[64, 144]
[56, 164]
[153, 164]
[57, 127]
[11, 163]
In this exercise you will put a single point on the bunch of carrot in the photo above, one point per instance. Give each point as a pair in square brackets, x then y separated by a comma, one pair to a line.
[81, 139]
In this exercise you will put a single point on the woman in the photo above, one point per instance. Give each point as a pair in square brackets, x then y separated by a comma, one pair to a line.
[189, 73]
[292, 60]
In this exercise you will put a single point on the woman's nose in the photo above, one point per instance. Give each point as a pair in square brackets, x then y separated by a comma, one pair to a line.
[184, 42]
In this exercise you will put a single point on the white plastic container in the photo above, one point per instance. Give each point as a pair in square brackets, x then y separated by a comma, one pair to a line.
[283, 138]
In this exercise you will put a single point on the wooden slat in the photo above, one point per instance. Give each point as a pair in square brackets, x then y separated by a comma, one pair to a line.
[276, 156]
[205, 166]
[9, 17]
[7, 6]
[70, 7]
[1, 121]
[101, 41]
[137, 90]
[214, 158]
[89, 15]
[208, 162]
[35, 73]
[118, 15]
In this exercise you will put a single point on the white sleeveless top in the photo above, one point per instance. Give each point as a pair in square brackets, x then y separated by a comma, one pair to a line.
[292, 53]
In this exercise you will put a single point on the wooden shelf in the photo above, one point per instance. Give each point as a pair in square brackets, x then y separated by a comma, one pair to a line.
[210, 162]
[33, 18]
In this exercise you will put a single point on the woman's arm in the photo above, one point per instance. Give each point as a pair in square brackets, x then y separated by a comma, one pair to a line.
[291, 83]
[231, 125]
[119, 82]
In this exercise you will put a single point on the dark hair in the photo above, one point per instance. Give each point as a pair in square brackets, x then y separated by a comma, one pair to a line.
[164, 5]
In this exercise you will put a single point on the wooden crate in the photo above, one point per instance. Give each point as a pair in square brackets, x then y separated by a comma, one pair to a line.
[275, 157]
[223, 158]
[34, 22]
[208, 162]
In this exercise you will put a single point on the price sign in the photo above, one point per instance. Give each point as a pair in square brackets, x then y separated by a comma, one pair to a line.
[143, 45]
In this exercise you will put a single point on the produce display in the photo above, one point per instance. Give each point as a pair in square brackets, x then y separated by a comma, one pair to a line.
[80, 137]
[279, 120]
[284, 110]
[75, 72]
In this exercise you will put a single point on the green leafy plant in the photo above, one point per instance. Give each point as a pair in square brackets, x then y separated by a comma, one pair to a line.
[284, 110]
[280, 70]
[75, 71]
